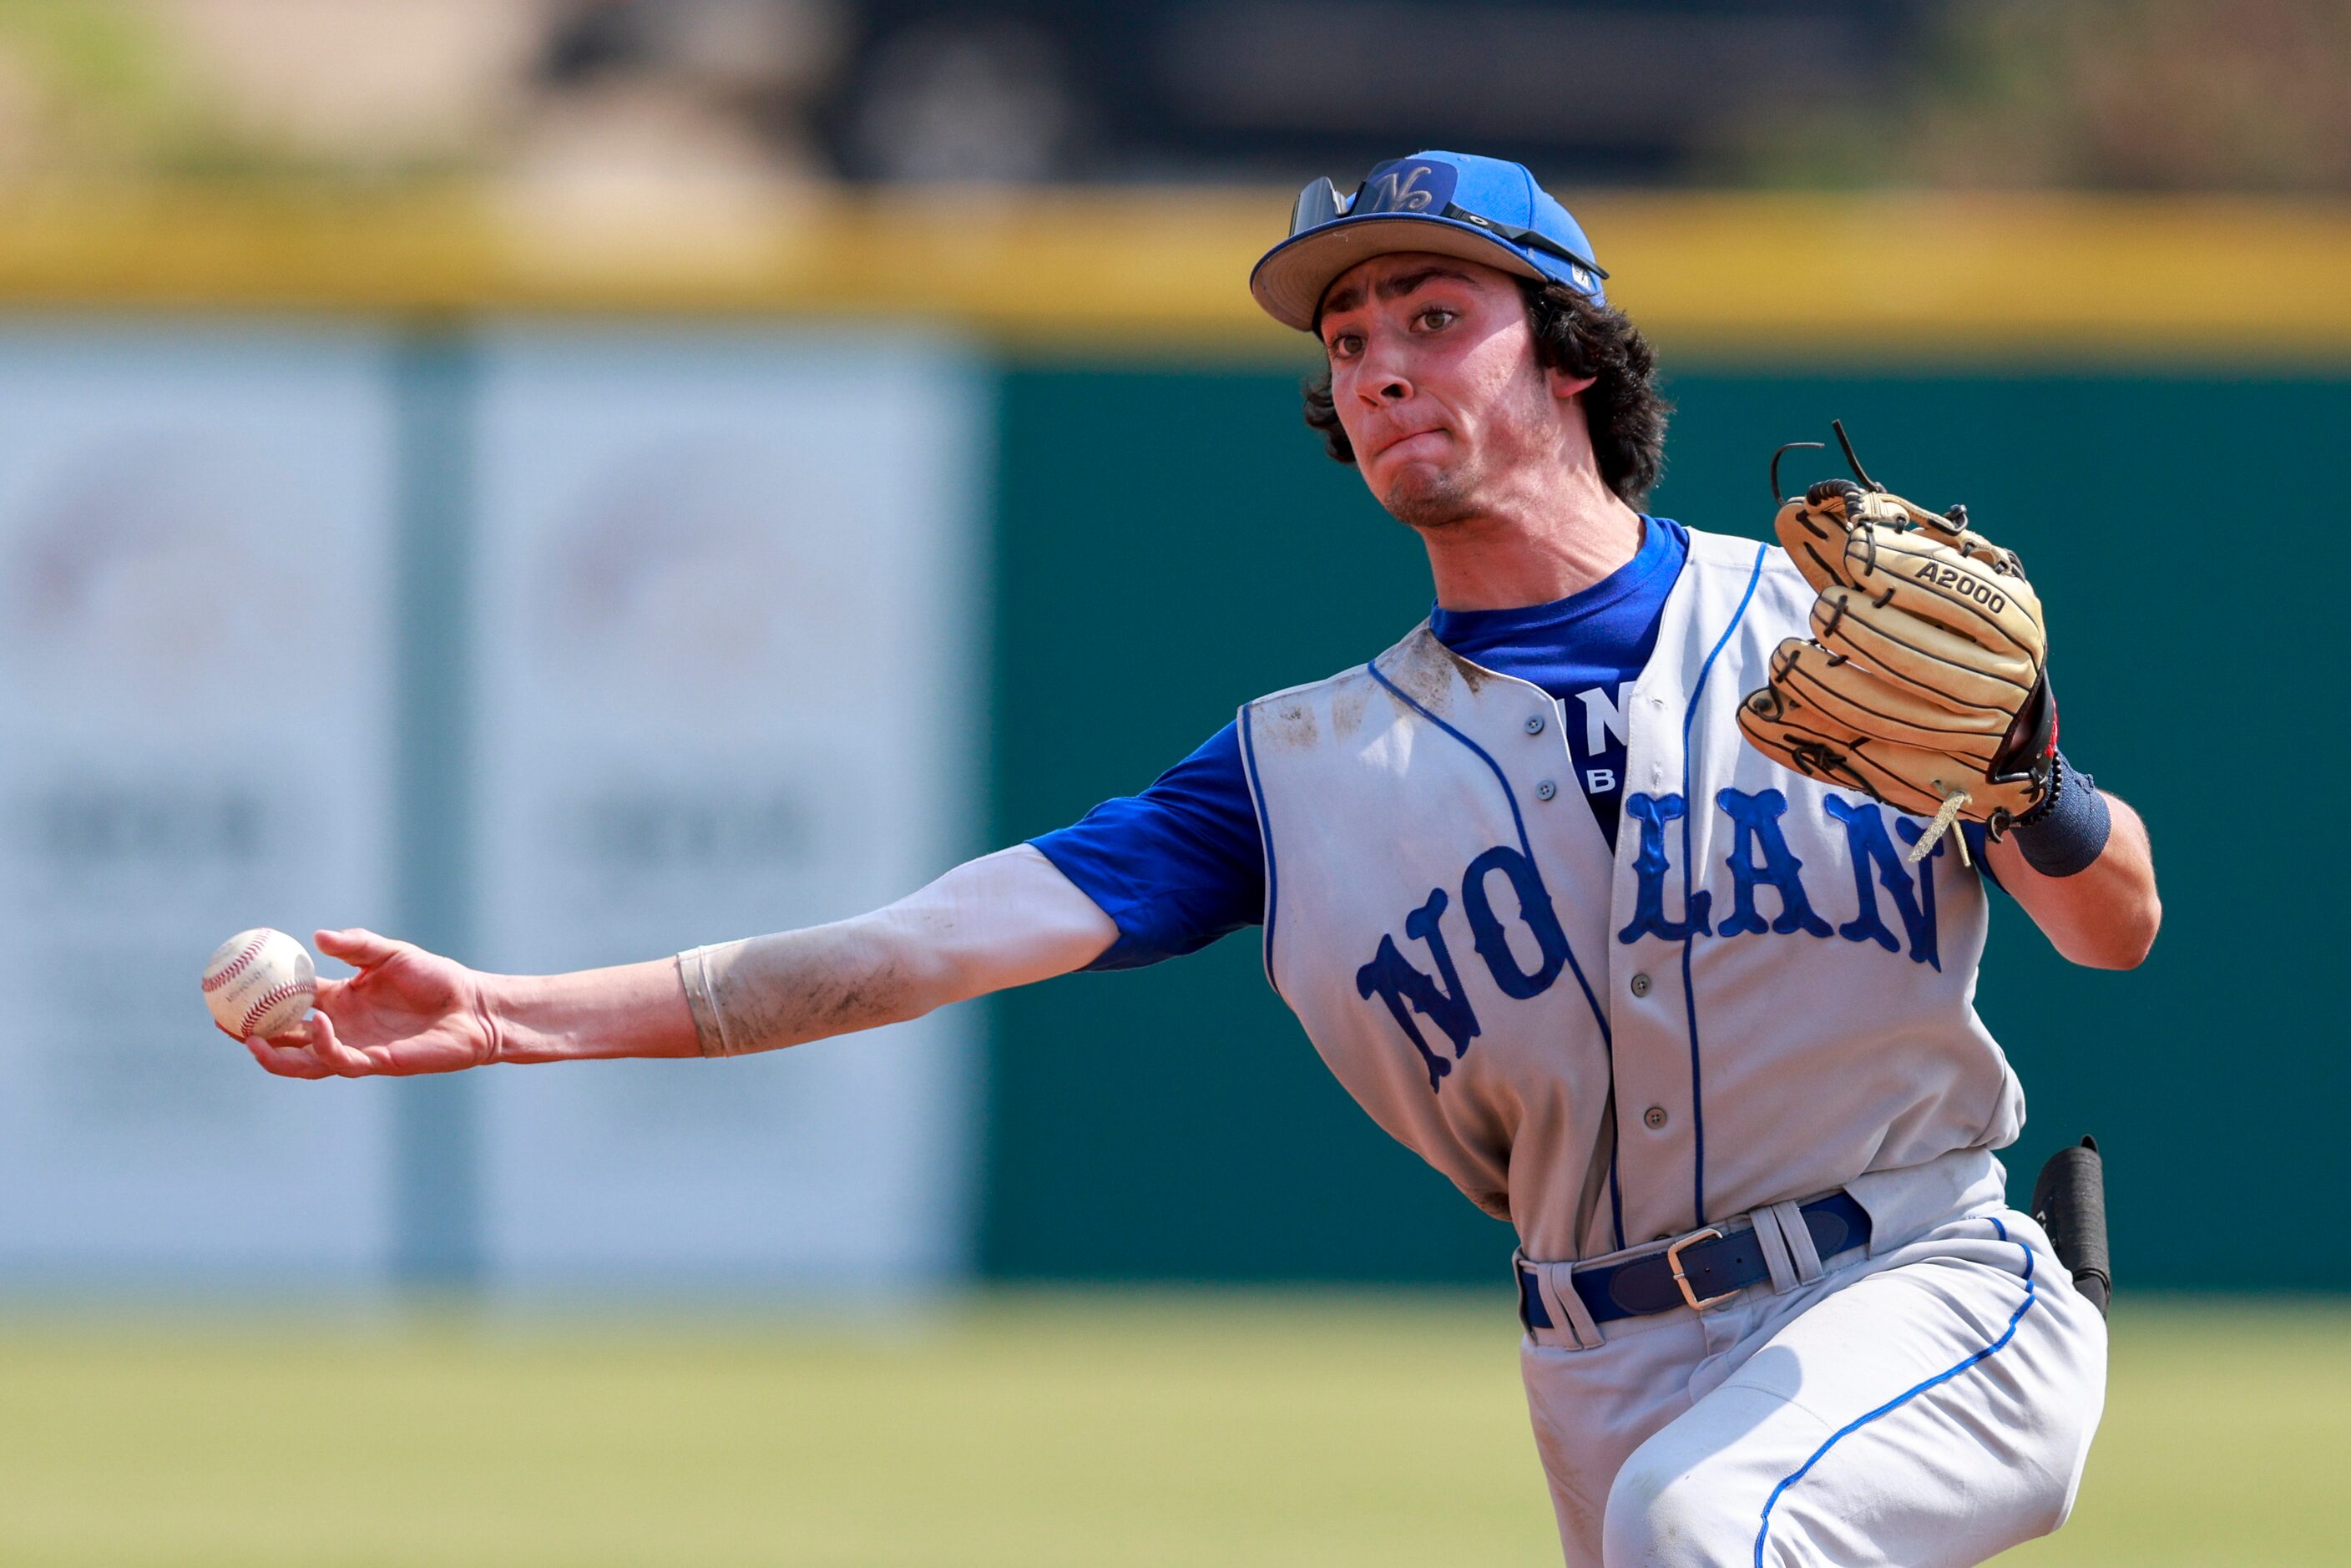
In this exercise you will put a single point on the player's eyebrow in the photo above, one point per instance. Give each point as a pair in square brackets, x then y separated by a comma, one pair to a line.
[1395, 288]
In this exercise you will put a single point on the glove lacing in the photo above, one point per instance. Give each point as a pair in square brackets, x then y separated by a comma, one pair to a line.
[1945, 815]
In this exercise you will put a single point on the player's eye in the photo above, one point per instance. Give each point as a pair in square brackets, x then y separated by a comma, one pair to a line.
[1436, 319]
[1346, 345]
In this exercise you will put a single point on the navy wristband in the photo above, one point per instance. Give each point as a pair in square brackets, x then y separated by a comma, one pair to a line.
[2073, 833]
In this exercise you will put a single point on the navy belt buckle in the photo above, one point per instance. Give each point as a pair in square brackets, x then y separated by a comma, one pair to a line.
[1674, 1263]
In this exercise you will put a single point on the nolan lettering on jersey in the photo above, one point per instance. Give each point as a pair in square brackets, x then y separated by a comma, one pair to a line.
[1440, 998]
[1650, 865]
[1759, 858]
[1765, 875]
[1535, 912]
[1390, 977]
[1864, 829]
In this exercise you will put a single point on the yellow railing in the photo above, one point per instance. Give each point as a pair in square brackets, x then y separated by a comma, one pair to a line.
[1812, 277]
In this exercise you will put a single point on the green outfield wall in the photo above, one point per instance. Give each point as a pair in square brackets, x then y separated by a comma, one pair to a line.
[1165, 540]
[1171, 542]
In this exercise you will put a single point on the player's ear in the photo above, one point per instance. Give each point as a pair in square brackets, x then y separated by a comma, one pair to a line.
[1565, 386]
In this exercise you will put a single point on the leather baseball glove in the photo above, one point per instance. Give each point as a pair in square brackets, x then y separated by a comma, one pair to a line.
[1924, 684]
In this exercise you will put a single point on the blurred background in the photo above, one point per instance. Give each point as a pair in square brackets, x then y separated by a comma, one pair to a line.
[566, 480]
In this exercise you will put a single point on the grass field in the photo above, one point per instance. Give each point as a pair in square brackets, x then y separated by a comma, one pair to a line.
[1040, 1430]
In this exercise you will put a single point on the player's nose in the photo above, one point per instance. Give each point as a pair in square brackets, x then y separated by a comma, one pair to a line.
[1382, 378]
[1382, 384]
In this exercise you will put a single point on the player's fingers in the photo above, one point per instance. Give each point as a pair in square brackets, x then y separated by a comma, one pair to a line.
[297, 1035]
[357, 947]
[285, 1060]
[328, 1049]
[316, 1042]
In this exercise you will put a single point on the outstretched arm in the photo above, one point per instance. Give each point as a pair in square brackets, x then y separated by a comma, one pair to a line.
[1006, 919]
[2106, 914]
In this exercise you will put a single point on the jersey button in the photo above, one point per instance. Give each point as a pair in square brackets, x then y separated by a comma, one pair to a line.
[1534, 724]
[1654, 1117]
[1640, 985]
[1546, 790]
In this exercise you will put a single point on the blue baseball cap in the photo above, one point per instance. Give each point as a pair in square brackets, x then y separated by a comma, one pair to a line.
[1453, 204]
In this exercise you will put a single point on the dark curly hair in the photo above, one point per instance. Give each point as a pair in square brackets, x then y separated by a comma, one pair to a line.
[1625, 411]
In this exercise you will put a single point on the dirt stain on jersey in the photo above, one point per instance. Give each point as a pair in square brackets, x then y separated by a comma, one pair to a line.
[1431, 673]
[1347, 705]
[1287, 723]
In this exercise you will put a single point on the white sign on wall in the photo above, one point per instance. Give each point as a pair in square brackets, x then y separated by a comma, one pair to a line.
[727, 654]
[194, 663]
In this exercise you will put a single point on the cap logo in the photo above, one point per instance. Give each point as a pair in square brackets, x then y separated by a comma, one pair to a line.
[1407, 187]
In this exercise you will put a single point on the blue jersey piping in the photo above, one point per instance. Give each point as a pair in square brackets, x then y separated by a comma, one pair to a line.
[2031, 1293]
[1690, 814]
[1526, 847]
[1265, 833]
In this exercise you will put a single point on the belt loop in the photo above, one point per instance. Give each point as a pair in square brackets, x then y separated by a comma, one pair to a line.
[1569, 1325]
[1798, 1236]
[1559, 1288]
[1522, 1281]
[1774, 1242]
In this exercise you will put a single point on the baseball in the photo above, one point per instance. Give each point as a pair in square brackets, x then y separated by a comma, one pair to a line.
[260, 982]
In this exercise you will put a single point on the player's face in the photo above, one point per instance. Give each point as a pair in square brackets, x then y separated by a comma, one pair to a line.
[1434, 377]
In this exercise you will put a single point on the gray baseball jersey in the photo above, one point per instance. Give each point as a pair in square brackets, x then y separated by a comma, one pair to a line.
[1753, 1000]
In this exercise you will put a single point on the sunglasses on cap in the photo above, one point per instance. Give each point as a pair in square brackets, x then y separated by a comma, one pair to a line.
[1319, 203]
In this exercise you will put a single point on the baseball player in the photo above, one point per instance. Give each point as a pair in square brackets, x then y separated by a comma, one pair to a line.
[1640, 888]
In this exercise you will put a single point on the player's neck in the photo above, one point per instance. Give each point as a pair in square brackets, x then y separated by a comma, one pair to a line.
[1540, 549]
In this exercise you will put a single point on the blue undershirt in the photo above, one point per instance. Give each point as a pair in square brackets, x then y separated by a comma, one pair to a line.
[1183, 863]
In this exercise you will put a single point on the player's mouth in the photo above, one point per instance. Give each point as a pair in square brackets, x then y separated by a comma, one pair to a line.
[1396, 444]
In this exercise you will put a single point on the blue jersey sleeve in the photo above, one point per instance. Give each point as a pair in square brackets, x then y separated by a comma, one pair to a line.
[1176, 866]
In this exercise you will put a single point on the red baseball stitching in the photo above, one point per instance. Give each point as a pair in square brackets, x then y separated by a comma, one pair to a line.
[268, 999]
[236, 966]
